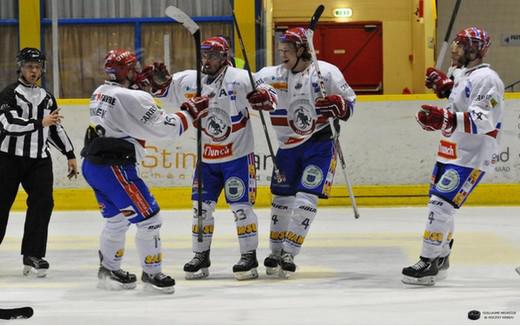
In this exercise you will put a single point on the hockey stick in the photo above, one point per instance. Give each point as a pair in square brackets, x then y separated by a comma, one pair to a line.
[16, 313]
[179, 16]
[242, 48]
[444, 48]
[310, 34]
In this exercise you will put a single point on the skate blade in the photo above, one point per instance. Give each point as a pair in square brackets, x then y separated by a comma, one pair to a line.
[30, 271]
[272, 271]
[153, 288]
[248, 275]
[285, 274]
[200, 274]
[111, 285]
[424, 281]
[518, 270]
[442, 275]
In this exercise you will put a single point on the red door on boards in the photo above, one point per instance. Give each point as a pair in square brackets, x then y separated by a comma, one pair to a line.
[355, 48]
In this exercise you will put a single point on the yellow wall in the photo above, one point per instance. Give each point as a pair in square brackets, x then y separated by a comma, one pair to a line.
[245, 14]
[423, 43]
[29, 23]
[402, 35]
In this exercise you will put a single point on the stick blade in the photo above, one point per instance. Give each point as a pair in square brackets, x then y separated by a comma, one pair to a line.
[16, 313]
[316, 16]
[179, 16]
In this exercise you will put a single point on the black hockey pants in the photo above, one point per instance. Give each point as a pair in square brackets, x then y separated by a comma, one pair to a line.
[36, 178]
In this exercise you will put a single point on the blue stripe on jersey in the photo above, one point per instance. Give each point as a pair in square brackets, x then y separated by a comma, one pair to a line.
[279, 112]
[237, 117]
[473, 125]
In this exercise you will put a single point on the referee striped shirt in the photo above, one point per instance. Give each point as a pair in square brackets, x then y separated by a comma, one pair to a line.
[22, 109]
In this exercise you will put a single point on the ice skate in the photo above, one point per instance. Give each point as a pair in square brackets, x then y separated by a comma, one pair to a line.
[197, 267]
[33, 266]
[245, 268]
[272, 265]
[424, 272]
[443, 265]
[287, 265]
[159, 282]
[115, 280]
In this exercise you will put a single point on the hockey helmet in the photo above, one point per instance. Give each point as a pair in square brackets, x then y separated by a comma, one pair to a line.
[215, 44]
[474, 37]
[119, 63]
[30, 55]
[295, 35]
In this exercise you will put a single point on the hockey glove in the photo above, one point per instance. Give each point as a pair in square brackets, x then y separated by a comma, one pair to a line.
[142, 83]
[439, 82]
[197, 108]
[157, 76]
[432, 118]
[261, 99]
[333, 106]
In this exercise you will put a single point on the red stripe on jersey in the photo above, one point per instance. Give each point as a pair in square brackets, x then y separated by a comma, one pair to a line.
[279, 121]
[184, 121]
[132, 191]
[467, 123]
[292, 140]
[241, 124]
[493, 133]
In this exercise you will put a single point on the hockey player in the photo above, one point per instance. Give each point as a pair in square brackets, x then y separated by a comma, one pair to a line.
[227, 147]
[306, 156]
[122, 119]
[470, 125]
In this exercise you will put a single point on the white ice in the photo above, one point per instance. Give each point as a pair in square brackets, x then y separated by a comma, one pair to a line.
[348, 273]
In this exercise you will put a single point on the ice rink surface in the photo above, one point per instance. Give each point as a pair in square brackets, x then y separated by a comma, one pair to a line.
[348, 273]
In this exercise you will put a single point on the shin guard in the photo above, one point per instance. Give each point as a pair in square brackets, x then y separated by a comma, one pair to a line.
[303, 215]
[281, 212]
[247, 226]
[208, 224]
[112, 241]
[148, 243]
[438, 226]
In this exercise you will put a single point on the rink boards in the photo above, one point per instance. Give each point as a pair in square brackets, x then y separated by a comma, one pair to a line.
[389, 158]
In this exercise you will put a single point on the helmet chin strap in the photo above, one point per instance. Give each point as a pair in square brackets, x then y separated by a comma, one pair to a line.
[295, 64]
[469, 58]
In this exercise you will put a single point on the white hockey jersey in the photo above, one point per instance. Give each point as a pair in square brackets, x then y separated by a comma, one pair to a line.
[477, 99]
[296, 119]
[227, 133]
[132, 115]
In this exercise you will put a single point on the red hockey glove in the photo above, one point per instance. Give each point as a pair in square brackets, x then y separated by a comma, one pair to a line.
[434, 118]
[157, 76]
[333, 106]
[439, 82]
[261, 99]
[197, 108]
[142, 82]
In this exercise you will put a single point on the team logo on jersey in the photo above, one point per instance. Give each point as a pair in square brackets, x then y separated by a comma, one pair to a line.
[312, 177]
[234, 188]
[449, 181]
[218, 124]
[301, 119]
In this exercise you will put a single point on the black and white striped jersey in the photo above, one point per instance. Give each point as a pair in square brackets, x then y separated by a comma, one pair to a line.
[22, 109]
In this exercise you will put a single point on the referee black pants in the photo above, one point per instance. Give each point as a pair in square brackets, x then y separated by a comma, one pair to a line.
[36, 178]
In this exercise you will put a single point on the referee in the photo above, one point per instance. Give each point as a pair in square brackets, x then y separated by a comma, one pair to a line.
[29, 121]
